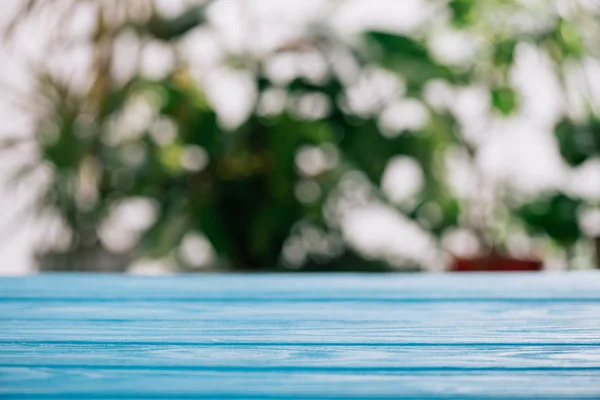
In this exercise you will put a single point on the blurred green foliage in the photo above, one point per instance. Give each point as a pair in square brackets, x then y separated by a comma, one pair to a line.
[555, 215]
[579, 141]
[242, 187]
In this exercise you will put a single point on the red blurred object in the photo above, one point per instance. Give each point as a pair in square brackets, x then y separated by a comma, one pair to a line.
[495, 263]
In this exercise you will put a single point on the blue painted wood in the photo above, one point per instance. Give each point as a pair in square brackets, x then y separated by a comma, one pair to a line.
[350, 336]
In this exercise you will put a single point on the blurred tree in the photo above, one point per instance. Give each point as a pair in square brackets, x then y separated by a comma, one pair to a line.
[255, 189]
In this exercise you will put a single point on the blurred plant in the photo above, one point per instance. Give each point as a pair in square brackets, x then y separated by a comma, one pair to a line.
[572, 46]
[261, 192]
[88, 173]
[566, 33]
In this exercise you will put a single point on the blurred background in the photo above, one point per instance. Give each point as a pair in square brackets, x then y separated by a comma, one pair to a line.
[158, 136]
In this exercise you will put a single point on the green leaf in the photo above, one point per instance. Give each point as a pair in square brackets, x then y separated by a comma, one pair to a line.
[504, 52]
[569, 39]
[170, 29]
[462, 12]
[555, 216]
[505, 100]
[578, 142]
[399, 45]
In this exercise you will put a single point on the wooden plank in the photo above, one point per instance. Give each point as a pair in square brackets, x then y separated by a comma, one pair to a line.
[310, 287]
[289, 322]
[321, 355]
[65, 383]
[302, 336]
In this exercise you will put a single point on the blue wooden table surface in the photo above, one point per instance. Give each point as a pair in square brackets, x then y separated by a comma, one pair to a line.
[301, 336]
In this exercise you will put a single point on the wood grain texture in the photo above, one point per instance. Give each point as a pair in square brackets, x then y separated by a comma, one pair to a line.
[344, 336]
